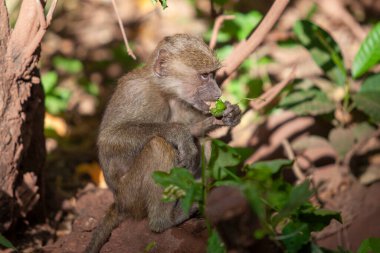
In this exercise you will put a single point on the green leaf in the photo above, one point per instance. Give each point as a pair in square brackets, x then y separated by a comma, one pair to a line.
[370, 245]
[319, 105]
[179, 183]
[6, 243]
[71, 66]
[242, 25]
[253, 196]
[299, 195]
[323, 49]
[163, 3]
[342, 140]
[55, 105]
[297, 97]
[372, 83]
[223, 157]
[215, 244]
[368, 54]
[317, 219]
[219, 108]
[296, 235]
[369, 102]
[272, 166]
[49, 81]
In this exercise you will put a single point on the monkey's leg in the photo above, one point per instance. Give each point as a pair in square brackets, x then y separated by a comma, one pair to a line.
[159, 155]
[104, 229]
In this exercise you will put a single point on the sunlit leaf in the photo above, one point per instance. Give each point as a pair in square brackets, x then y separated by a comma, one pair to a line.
[69, 65]
[368, 54]
[323, 49]
[49, 81]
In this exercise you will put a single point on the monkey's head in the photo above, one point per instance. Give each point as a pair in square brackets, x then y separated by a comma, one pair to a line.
[185, 66]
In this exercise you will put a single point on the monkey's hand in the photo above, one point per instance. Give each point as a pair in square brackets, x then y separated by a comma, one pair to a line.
[181, 138]
[231, 115]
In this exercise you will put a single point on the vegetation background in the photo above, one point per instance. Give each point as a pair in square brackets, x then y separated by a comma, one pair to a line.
[310, 143]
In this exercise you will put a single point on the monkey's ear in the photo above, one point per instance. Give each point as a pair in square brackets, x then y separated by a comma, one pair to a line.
[159, 66]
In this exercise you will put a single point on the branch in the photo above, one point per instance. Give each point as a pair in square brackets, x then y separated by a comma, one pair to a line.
[41, 15]
[245, 48]
[337, 11]
[291, 156]
[218, 24]
[129, 50]
[270, 94]
[36, 41]
[4, 27]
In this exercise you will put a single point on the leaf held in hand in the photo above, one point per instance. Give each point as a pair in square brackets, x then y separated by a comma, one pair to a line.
[219, 108]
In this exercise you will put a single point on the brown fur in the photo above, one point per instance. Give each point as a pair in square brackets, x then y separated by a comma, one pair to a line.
[152, 123]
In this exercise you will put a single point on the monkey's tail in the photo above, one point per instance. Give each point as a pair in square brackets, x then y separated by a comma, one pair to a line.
[103, 231]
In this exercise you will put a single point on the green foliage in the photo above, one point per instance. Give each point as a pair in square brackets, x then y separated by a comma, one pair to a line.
[179, 183]
[368, 54]
[68, 65]
[308, 102]
[367, 99]
[6, 243]
[56, 98]
[279, 205]
[369, 103]
[240, 27]
[215, 244]
[224, 159]
[324, 50]
[163, 3]
[370, 245]
[342, 140]
[219, 108]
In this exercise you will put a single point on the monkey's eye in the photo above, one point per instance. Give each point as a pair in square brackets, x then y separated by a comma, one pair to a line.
[205, 76]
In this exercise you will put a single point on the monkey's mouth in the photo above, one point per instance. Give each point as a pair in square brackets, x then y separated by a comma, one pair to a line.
[208, 105]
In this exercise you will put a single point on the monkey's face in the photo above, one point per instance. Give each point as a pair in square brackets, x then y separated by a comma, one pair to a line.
[207, 91]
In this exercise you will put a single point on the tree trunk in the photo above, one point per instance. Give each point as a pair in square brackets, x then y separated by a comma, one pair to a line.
[22, 143]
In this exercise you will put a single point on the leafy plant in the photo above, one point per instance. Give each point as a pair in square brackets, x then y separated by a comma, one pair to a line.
[56, 98]
[368, 54]
[279, 205]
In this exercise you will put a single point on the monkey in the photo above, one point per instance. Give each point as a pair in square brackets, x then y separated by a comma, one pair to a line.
[153, 122]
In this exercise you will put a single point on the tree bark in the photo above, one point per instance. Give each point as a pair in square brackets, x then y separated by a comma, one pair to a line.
[22, 143]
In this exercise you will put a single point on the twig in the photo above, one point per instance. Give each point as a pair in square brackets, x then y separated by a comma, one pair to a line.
[41, 15]
[218, 24]
[336, 10]
[129, 50]
[49, 16]
[270, 94]
[245, 48]
[44, 24]
[291, 156]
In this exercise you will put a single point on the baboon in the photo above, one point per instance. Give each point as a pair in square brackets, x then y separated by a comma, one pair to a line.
[152, 123]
